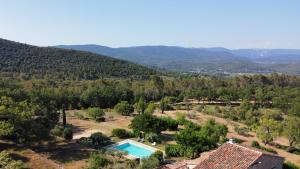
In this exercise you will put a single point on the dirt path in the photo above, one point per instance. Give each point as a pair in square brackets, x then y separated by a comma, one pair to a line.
[84, 128]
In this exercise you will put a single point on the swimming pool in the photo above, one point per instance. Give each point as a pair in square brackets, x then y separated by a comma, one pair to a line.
[138, 151]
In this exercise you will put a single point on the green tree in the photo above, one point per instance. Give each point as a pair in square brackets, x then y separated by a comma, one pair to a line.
[291, 129]
[62, 101]
[6, 128]
[148, 123]
[149, 163]
[97, 161]
[150, 108]
[163, 105]
[195, 139]
[23, 120]
[141, 105]
[6, 162]
[243, 108]
[95, 113]
[267, 130]
[124, 108]
[295, 109]
[68, 133]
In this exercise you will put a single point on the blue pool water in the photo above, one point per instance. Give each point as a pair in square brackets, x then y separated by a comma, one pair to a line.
[134, 150]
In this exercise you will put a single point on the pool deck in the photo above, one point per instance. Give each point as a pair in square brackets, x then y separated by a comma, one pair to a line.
[112, 147]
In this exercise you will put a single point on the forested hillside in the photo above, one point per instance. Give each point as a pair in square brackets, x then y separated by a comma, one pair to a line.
[201, 60]
[204, 60]
[32, 61]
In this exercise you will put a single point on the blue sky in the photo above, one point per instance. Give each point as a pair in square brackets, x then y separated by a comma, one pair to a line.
[189, 23]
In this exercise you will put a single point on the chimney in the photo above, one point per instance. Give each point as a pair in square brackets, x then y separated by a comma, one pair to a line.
[231, 141]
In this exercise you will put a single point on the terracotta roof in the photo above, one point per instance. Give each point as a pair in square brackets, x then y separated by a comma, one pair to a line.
[232, 156]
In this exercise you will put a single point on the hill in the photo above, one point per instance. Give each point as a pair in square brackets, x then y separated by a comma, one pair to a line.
[63, 63]
[204, 60]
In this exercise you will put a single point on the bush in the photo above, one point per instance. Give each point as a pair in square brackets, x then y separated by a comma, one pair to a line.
[96, 114]
[149, 163]
[257, 145]
[150, 108]
[289, 165]
[192, 115]
[57, 130]
[171, 124]
[99, 139]
[190, 124]
[181, 118]
[124, 108]
[153, 137]
[97, 161]
[200, 108]
[6, 162]
[237, 140]
[148, 123]
[242, 131]
[85, 141]
[121, 133]
[68, 133]
[78, 115]
[174, 150]
[131, 164]
[158, 155]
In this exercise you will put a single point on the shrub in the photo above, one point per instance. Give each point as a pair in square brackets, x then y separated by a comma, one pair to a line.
[124, 108]
[289, 165]
[153, 137]
[270, 150]
[131, 164]
[121, 133]
[148, 123]
[150, 108]
[181, 118]
[190, 124]
[96, 114]
[158, 155]
[78, 115]
[136, 133]
[242, 131]
[237, 140]
[200, 108]
[68, 133]
[171, 124]
[99, 139]
[257, 145]
[6, 162]
[292, 149]
[57, 130]
[192, 115]
[85, 141]
[174, 150]
[149, 163]
[97, 161]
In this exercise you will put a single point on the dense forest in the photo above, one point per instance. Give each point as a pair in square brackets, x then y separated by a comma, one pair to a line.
[30, 110]
[43, 99]
[30, 61]
[38, 86]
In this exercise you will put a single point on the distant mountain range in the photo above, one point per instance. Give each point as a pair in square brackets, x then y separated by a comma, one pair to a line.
[32, 61]
[204, 60]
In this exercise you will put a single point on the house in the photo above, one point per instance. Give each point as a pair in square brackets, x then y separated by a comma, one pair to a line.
[232, 156]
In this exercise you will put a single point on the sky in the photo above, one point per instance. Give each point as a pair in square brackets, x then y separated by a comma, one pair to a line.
[118, 23]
